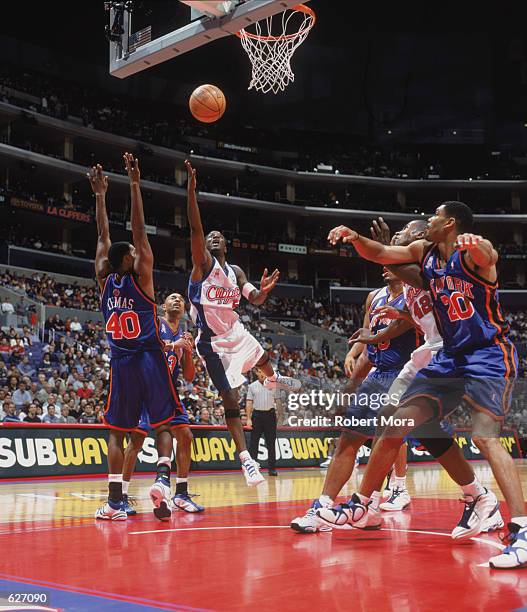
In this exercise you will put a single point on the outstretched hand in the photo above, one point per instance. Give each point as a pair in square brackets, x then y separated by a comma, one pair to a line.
[468, 242]
[362, 335]
[98, 180]
[388, 312]
[131, 164]
[342, 233]
[380, 232]
[268, 283]
[191, 172]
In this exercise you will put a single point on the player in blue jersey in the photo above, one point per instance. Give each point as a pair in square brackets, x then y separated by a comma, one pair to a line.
[387, 358]
[477, 364]
[178, 350]
[226, 348]
[139, 370]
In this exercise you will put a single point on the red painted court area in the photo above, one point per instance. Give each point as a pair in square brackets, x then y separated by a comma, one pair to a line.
[244, 557]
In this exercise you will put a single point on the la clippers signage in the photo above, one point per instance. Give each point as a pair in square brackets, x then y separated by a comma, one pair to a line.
[37, 450]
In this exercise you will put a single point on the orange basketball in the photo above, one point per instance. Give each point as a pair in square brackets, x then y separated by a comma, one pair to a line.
[207, 103]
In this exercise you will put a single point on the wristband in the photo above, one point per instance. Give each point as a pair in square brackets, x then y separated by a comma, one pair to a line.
[247, 290]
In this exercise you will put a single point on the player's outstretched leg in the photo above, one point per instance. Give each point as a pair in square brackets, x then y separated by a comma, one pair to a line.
[275, 380]
[182, 500]
[112, 509]
[130, 458]
[250, 467]
[160, 490]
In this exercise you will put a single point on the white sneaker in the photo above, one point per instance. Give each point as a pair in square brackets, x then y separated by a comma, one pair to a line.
[107, 513]
[476, 511]
[325, 464]
[515, 555]
[251, 471]
[351, 515]
[160, 496]
[493, 522]
[309, 523]
[399, 500]
[283, 382]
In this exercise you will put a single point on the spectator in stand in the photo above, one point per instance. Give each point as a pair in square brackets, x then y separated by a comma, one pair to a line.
[65, 416]
[204, 417]
[75, 326]
[217, 416]
[88, 416]
[5, 348]
[25, 367]
[7, 307]
[85, 392]
[22, 397]
[32, 415]
[51, 416]
[10, 413]
[46, 366]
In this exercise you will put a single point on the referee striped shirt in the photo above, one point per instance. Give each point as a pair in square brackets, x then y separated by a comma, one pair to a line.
[263, 399]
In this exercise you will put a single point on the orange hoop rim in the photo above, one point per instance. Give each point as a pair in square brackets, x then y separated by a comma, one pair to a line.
[301, 8]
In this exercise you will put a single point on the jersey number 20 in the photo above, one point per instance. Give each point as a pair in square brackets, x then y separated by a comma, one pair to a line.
[124, 325]
[459, 308]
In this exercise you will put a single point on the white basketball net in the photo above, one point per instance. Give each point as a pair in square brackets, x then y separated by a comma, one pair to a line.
[271, 54]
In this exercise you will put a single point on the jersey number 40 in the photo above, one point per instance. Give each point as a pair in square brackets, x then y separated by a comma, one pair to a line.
[123, 325]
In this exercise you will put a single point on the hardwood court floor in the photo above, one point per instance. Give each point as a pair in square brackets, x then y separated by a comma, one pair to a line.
[240, 554]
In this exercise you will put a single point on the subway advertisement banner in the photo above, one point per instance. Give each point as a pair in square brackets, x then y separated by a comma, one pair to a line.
[34, 451]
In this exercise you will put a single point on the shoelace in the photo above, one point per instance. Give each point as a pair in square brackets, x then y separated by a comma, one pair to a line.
[395, 493]
[510, 537]
[131, 501]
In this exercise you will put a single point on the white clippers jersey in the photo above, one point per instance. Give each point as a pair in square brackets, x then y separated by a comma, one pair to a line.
[419, 303]
[213, 300]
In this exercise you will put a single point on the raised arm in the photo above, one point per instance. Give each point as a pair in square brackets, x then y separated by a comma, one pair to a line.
[144, 258]
[201, 258]
[409, 274]
[99, 185]
[375, 251]
[481, 256]
[250, 292]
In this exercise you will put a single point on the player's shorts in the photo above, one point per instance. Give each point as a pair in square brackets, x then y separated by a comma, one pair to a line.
[228, 356]
[419, 359]
[362, 414]
[180, 420]
[136, 381]
[483, 378]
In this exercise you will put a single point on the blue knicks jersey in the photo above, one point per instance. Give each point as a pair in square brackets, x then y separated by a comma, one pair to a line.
[173, 357]
[392, 354]
[466, 306]
[130, 317]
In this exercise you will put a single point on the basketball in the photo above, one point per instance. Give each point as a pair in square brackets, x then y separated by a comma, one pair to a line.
[207, 103]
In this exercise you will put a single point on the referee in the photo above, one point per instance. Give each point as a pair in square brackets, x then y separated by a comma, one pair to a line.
[261, 416]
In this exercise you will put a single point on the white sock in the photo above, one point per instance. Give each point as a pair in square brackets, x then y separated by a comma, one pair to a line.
[126, 484]
[325, 501]
[363, 499]
[474, 488]
[115, 478]
[245, 456]
[164, 460]
[178, 480]
[375, 500]
[519, 520]
[400, 482]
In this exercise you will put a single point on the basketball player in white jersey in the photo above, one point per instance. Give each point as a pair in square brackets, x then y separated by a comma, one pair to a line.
[226, 348]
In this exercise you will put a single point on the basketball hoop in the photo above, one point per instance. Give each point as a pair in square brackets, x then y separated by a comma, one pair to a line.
[271, 54]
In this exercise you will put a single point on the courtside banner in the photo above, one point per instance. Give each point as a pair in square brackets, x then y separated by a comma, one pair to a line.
[69, 450]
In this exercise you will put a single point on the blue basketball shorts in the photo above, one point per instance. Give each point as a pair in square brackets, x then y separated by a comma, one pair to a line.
[179, 420]
[362, 414]
[483, 378]
[137, 381]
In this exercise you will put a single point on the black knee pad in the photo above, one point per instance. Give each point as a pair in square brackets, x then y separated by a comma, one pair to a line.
[437, 446]
[232, 413]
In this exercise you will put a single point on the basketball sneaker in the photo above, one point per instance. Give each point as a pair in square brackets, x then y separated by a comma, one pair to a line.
[160, 496]
[309, 522]
[476, 511]
[493, 522]
[108, 513]
[399, 500]
[251, 471]
[353, 514]
[285, 383]
[183, 501]
[325, 464]
[515, 555]
[128, 505]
